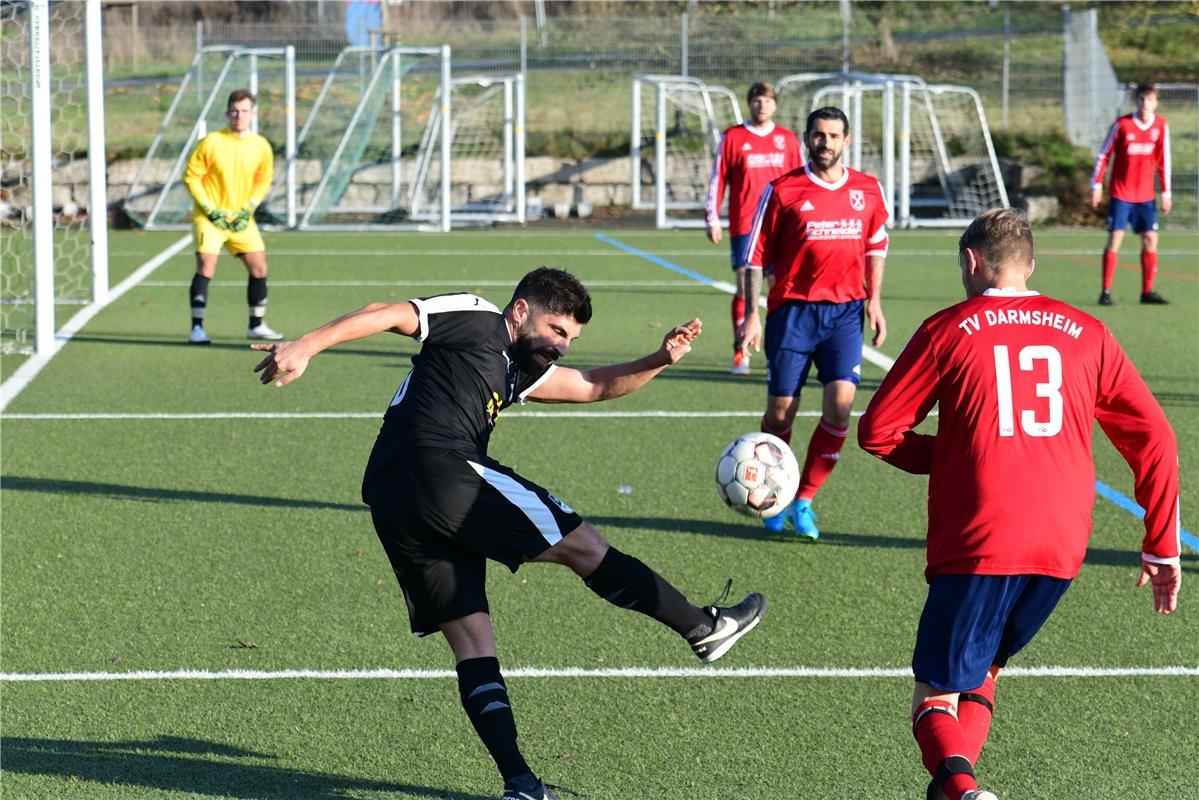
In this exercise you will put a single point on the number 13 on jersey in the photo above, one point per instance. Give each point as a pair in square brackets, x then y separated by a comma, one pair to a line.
[1050, 389]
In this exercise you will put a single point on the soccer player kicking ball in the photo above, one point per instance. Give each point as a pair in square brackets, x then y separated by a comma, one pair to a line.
[228, 175]
[1019, 380]
[822, 231]
[441, 507]
[1137, 145]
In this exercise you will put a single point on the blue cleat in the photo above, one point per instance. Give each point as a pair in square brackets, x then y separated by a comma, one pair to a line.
[803, 519]
[777, 523]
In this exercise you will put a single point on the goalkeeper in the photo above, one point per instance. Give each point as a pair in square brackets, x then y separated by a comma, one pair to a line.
[228, 175]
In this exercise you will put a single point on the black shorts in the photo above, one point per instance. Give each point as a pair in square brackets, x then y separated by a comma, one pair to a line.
[440, 515]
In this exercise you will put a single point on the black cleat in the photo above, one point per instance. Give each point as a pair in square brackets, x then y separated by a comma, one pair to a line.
[1153, 299]
[1105, 298]
[728, 625]
[541, 792]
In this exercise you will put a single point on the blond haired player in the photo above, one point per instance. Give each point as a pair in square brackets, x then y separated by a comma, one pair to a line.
[228, 175]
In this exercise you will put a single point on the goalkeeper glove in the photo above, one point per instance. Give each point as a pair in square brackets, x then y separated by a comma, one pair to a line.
[216, 217]
[242, 220]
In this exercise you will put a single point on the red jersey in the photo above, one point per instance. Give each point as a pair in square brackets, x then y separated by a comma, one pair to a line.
[746, 162]
[815, 236]
[1020, 379]
[1135, 149]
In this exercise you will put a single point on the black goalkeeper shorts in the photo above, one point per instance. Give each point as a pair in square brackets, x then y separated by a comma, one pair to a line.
[441, 515]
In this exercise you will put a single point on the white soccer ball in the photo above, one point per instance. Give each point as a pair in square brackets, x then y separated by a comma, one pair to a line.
[757, 475]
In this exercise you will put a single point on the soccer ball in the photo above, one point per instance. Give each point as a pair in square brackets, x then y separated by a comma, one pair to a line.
[757, 475]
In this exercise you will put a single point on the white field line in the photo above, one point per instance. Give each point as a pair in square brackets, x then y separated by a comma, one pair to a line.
[950, 250]
[376, 415]
[29, 370]
[398, 283]
[578, 672]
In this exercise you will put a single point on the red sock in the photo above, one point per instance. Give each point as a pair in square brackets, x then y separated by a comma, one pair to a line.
[784, 434]
[738, 312]
[824, 449]
[974, 714]
[1109, 269]
[1148, 270]
[943, 747]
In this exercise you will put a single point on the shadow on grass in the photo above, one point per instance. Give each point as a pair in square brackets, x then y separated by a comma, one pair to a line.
[157, 495]
[194, 766]
[242, 346]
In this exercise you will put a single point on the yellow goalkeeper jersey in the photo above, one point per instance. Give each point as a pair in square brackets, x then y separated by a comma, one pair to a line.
[229, 172]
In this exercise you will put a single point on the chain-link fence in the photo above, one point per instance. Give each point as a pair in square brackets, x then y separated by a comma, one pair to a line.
[579, 65]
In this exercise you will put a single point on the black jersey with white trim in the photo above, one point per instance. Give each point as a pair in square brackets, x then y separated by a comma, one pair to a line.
[463, 377]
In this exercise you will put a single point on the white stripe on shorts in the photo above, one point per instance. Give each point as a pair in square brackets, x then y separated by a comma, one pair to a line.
[522, 498]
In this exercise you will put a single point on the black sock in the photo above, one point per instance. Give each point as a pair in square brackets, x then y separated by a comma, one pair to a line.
[197, 298]
[626, 582]
[485, 700]
[256, 299]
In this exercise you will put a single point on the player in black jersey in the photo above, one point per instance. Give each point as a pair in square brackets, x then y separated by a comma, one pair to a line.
[441, 507]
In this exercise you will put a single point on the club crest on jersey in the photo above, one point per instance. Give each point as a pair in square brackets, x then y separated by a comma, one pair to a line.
[1153, 134]
[857, 199]
[779, 141]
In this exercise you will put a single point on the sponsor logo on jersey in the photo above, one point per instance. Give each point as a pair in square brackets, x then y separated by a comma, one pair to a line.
[1140, 148]
[780, 141]
[764, 160]
[857, 199]
[558, 502]
[833, 229]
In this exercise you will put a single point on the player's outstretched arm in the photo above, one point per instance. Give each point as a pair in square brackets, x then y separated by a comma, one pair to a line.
[567, 385]
[1166, 580]
[286, 361]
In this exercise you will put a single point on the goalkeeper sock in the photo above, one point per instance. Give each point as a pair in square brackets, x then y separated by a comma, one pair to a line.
[824, 450]
[197, 296]
[625, 581]
[256, 299]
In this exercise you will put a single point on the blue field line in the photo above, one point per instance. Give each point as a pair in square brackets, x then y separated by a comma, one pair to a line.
[1129, 505]
[661, 262]
[1108, 493]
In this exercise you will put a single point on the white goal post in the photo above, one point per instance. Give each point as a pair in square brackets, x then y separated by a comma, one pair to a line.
[53, 208]
[157, 197]
[677, 122]
[929, 145]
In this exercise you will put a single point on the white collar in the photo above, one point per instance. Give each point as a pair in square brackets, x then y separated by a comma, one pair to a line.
[996, 291]
[1143, 125]
[769, 129]
[825, 184]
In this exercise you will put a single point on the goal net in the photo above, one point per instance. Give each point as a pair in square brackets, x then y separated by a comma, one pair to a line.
[53, 222]
[157, 197]
[405, 145]
[929, 145]
[677, 122]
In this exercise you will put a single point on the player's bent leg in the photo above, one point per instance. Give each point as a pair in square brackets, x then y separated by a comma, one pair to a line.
[975, 709]
[484, 698]
[625, 581]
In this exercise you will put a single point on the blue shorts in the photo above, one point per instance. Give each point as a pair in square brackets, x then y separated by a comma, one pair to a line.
[740, 247]
[800, 333]
[1142, 216]
[973, 621]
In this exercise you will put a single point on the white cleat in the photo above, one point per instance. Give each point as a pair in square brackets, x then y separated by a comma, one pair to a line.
[263, 331]
[198, 336]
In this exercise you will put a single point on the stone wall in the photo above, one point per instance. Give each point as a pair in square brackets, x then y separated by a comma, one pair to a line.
[552, 183]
